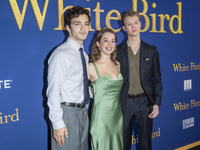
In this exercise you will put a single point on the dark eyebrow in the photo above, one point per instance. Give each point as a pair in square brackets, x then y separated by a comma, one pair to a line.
[76, 22]
[87, 22]
[80, 22]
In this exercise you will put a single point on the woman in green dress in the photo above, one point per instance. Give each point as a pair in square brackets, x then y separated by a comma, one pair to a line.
[106, 123]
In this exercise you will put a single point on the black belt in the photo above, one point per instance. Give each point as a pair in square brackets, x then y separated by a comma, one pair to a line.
[77, 105]
[135, 96]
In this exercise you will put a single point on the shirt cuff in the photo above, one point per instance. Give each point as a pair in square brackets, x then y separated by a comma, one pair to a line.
[58, 125]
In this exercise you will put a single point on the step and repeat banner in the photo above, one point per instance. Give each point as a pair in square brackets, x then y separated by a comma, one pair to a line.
[31, 29]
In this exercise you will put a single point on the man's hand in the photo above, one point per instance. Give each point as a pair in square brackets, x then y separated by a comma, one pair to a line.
[155, 112]
[59, 135]
[91, 89]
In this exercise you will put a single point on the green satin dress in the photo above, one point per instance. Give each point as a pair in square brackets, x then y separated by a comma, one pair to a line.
[106, 124]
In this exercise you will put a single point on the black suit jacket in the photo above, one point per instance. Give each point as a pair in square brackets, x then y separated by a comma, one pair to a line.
[149, 72]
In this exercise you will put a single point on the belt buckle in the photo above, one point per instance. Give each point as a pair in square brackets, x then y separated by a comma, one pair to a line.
[76, 105]
[81, 105]
[136, 97]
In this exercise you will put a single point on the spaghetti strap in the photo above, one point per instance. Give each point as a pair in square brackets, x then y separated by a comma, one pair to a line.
[97, 71]
[118, 69]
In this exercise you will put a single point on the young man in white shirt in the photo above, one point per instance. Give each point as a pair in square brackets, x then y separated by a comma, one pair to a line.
[65, 91]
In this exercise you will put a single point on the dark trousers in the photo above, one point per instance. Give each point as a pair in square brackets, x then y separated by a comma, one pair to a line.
[138, 110]
[77, 122]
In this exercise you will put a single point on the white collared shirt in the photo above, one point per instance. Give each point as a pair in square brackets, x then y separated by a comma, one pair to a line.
[65, 79]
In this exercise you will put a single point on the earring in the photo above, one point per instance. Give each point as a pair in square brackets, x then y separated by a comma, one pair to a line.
[99, 48]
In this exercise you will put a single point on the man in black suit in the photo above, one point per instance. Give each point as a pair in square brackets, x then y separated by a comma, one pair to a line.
[142, 88]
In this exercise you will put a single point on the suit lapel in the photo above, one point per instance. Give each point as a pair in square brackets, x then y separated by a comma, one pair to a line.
[143, 55]
[125, 62]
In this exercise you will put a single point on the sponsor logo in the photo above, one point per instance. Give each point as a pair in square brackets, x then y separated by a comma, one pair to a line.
[188, 123]
[5, 84]
[188, 85]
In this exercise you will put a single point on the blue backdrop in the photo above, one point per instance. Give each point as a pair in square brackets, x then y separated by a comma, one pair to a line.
[31, 29]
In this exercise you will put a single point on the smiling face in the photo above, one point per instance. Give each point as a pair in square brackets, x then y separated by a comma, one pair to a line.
[132, 26]
[79, 28]
[107, 43]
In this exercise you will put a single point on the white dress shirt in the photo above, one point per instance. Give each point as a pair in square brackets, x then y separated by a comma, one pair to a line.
[65, 79]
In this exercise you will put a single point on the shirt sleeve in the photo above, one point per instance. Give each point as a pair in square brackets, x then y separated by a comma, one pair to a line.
[55, 78]
[157, 79]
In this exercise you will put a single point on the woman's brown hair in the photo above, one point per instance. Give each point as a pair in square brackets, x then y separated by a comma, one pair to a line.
[96, 53]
